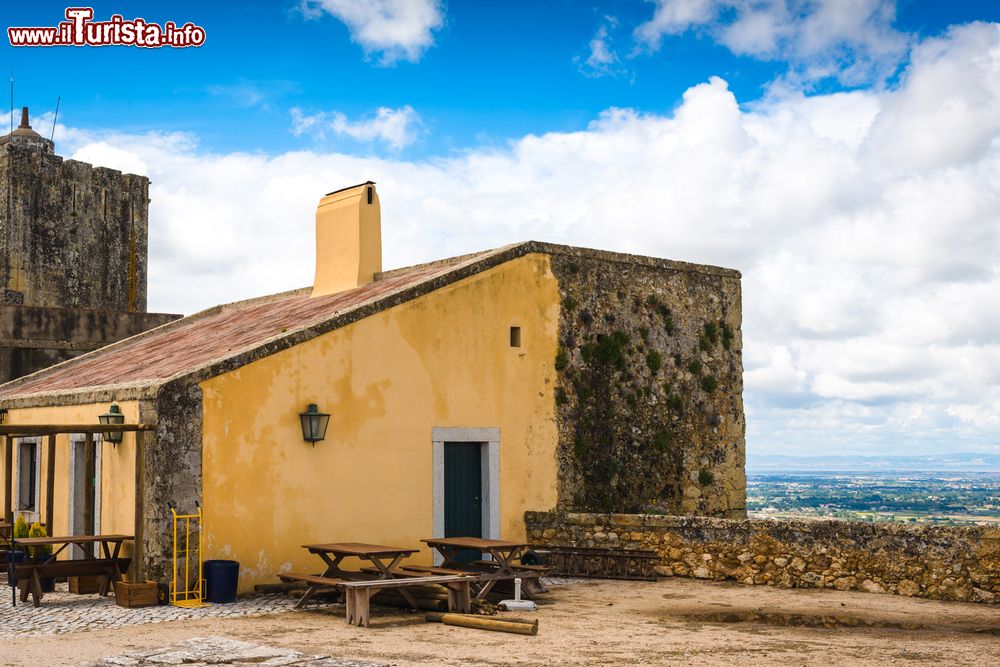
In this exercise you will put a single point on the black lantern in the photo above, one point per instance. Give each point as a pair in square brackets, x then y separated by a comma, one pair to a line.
[113, 416]
[3, 415]
[314, 424]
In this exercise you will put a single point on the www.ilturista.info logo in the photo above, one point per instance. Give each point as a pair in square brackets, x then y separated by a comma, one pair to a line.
[79, 29]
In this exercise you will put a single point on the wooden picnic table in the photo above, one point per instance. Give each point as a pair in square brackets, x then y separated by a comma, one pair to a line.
[359, 587]
[27, 576]
[386, 559]
[502, 552]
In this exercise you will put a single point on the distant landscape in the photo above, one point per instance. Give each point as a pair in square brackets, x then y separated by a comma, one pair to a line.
[961, 488]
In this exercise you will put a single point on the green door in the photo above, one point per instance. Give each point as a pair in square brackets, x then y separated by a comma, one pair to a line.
[463, 493]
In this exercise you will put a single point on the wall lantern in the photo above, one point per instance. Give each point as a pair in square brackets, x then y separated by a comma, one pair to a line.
[113, 416]
[3, 415]
[314, 424]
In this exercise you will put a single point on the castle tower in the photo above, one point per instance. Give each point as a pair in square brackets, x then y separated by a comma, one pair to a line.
[73, 254]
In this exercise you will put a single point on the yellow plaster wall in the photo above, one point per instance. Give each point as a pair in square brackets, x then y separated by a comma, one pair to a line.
[442, 360]
[117, 467]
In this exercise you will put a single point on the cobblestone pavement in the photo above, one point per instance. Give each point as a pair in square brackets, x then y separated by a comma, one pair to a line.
[223, 651]
[63, 612]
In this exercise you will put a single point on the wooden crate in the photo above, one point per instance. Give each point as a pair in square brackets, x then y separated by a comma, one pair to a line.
[139, 594]
[90, 584]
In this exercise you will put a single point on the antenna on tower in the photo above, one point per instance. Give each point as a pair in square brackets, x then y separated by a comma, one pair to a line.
[52, 136]
[11, 101]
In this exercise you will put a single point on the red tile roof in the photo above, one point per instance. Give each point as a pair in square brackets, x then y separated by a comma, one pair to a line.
[227, 337]
[216, 334]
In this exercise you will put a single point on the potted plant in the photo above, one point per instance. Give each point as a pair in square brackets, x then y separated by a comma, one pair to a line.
[41, 554]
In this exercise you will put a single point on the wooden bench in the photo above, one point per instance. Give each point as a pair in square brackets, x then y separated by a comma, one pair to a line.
[27, 576]
[358, 594]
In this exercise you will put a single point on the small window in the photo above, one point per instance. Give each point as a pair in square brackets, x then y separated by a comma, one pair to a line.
[515, 336]
[27, 476]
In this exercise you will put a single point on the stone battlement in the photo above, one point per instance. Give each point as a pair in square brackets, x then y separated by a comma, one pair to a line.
[937, 562]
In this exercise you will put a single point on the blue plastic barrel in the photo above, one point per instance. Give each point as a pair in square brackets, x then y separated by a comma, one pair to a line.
[221, 580]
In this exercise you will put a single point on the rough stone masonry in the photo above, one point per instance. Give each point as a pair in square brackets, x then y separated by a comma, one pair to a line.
[938, 562]
[649, 400]
[73, 255]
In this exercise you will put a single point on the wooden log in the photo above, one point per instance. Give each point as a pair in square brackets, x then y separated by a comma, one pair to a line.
[484, 623]
[278, 588]
[424, 604]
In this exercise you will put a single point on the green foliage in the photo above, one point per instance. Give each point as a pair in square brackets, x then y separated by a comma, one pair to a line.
[662, 441]
[709, 383]
[610, 349]
[727, 336]
[561, 397]
[654, 361]
[668, 324]
[562, 359]
[675, 403]
[20, 527]
[644, 333]
[569, 303]
[632, 399]
[694, 366]
[574, 267]
[652, 300]
[706, 477]
[711, 332]
[703, 343]
[37, 530]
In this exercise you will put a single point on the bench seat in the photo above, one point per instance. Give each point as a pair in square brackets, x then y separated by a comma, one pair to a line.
[313, 579]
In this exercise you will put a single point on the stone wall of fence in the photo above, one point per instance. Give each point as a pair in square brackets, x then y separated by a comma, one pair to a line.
[938, 562]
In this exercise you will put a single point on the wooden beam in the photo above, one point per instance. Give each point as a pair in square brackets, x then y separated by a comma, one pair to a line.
[51, 429]
[89, 489]
[137, 573]
[8, 479]
[50, 484]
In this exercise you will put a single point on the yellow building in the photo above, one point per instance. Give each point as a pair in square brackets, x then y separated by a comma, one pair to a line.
[462, 393]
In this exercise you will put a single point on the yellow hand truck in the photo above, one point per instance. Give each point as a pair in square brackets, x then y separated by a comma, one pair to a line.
[187, 591]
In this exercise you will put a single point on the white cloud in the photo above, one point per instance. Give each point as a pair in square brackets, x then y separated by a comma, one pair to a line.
[394, 29]
[868, 242]
[852, 40]
[602, 58]
[396, 128]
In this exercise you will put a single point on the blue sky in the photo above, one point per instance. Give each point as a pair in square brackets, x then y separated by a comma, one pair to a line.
[844, 155]
[495, 71]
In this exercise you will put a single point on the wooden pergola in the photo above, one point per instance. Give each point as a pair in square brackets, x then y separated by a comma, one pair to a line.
[11, 431]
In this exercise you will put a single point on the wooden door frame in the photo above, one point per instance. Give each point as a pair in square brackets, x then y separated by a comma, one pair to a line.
[76, 439]
[489, 440]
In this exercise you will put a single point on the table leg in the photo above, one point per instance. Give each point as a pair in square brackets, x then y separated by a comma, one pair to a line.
[460, 597]
[332, 568]
[366, 595]
[388, 572]
[36, 588]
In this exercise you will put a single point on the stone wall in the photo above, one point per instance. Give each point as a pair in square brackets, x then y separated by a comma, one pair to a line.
[171, 471]
[73, 235]
[649, 395]
[938, 562]
[35, 337]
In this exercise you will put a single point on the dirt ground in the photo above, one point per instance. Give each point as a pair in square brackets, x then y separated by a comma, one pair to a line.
[604, 623]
